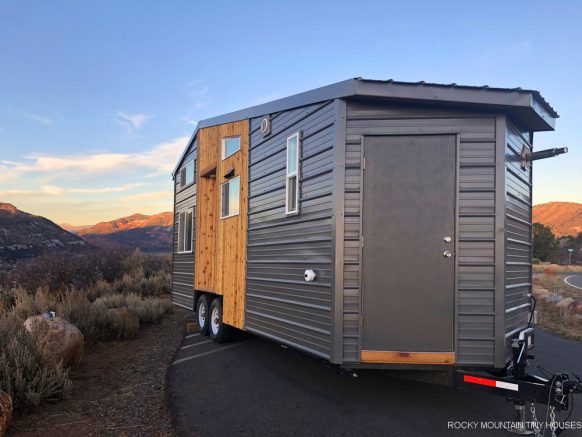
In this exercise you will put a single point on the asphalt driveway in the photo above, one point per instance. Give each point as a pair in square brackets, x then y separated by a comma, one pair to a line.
[253, 386]
[574, 280]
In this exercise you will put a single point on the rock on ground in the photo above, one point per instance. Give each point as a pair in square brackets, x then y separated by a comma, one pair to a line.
[565, 302]
[65, 340]
[575, 307]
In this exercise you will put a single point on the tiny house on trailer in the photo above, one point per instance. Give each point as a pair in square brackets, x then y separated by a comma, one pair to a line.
[370, 223]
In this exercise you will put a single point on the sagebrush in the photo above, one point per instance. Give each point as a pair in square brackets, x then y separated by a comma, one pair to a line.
[135, 282]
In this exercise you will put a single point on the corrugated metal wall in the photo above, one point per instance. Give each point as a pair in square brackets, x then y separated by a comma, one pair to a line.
[518, 237]
[476, 215]
[279, 303]
[183, 263]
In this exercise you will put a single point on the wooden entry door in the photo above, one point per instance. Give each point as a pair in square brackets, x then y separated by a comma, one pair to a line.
[408, 271]
[221, 242]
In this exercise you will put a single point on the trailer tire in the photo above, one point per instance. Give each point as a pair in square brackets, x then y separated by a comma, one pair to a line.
[219, 331]
[203, 314]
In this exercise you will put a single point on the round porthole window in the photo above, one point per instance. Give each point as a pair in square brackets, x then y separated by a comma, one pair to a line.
[266, 125]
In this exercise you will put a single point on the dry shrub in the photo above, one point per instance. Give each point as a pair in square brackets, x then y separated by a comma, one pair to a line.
[556, 268]
[28, 371]
[148, 310]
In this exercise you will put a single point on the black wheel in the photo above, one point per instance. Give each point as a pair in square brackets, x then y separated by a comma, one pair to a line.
[219, 332]
[203, 311]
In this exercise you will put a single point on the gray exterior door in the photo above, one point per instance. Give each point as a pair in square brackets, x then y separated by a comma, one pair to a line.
[408, 211]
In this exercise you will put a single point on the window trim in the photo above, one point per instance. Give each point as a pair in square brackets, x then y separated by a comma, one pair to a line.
[221, 194]
[183, 169]
[182, 216]
[223, 154]
[289, 175]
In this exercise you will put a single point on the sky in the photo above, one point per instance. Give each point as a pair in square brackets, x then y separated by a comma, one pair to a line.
[99, 98]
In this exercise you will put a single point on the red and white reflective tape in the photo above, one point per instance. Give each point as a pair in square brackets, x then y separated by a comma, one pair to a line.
[490, 382]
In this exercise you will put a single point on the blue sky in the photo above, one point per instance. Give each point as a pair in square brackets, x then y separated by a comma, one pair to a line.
[97, 99]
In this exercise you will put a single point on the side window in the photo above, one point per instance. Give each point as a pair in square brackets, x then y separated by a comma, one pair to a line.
[185, 231]
[230, 198]
[230, 146]
[187, 174]
[292, 175]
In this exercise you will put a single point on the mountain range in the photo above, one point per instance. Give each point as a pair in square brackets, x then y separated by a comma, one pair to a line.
[24, 235]
[563, 218]
[149, 233]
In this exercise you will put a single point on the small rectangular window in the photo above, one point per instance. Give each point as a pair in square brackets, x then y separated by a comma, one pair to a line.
[292, 176]
[230, 198]
[187, 174]
[230, 146]
[185, 231]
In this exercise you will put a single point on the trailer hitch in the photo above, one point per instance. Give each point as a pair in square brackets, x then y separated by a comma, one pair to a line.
[527, 157]
[515, 384]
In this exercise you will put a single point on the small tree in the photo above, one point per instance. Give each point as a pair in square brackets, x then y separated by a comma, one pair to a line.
[544, 242]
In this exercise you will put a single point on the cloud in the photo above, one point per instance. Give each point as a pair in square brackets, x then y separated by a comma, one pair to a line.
[157, 160]
[154, 195]
[38, 118]
[132, 122]
[188, 119]
[52, 190]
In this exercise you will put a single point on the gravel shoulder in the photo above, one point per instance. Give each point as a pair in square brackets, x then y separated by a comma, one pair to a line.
[118, 389]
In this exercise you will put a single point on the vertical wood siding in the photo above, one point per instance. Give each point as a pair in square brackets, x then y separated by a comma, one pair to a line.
[476, 215]
[518, 234]
[183, 263]
[221, 248]
[279, 303]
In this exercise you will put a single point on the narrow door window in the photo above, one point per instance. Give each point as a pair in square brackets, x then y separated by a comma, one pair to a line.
[230, 198]
[292, 177]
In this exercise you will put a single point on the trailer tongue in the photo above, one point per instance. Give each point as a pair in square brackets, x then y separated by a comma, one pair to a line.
[555, 391]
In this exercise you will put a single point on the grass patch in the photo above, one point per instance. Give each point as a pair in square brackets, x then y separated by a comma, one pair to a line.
[553, 318]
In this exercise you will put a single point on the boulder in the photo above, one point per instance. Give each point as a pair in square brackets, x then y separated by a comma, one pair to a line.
[578, 319]
[541, 293]
[575, 307]
[64, 339]
[565, 302]
[124, 322]
[5, 412]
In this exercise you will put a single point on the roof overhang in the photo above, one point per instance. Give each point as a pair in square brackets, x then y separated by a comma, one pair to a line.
[527, 107]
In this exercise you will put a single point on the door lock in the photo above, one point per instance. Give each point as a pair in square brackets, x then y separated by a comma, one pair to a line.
[447, 239]
[447, 254]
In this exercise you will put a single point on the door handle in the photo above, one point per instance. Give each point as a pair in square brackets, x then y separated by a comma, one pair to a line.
[447, 254]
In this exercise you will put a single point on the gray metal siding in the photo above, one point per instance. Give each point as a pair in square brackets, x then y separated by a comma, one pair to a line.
[279, 303]
[183, 263]
[518, 234]
[476, 214]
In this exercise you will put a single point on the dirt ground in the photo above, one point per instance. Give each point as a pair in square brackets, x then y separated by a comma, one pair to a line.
[118, 389]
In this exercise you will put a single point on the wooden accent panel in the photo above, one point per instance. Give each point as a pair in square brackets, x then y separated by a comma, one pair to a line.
[384, 357]
[221, 243]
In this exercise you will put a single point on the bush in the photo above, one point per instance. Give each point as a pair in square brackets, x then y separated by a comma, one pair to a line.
[28, 371]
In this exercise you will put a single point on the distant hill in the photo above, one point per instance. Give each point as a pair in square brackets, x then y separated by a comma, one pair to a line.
[24, 235]
[564, 218]
[149, 233]
[72, 228]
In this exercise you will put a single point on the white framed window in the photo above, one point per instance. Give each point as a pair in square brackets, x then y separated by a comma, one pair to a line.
[186, 231]
[230, 198]
[230, 146]
[187, 174]
[292, 175]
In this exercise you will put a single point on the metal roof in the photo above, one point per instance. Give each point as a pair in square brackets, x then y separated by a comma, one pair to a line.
[527, 106]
